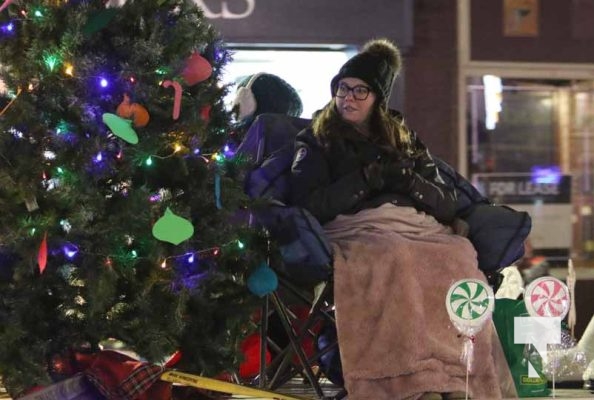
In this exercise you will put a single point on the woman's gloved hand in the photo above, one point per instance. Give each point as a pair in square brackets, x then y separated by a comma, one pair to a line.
[393, 175]
[398, 175]
[373, 175]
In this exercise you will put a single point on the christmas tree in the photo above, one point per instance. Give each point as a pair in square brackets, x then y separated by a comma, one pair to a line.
[118, 219]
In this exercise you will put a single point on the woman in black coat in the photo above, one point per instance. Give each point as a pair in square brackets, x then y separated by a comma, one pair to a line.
[388, 214]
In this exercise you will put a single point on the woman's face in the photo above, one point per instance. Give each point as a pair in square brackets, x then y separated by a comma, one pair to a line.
[354, 101]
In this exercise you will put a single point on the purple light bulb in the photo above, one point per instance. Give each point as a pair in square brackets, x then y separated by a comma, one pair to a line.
[70, 250]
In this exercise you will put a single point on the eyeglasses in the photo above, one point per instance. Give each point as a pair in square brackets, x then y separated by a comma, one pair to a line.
[360, 92]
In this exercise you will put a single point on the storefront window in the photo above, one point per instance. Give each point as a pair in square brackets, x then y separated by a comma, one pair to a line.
[529, 146]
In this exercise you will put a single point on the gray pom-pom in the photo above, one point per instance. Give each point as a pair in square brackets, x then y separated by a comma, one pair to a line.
[386, 49]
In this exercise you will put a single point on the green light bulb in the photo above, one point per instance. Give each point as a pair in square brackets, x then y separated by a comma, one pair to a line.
[62, 127]
[51, 61]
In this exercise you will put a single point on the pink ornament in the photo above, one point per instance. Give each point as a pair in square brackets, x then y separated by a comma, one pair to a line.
[177, 96]
[197, 69]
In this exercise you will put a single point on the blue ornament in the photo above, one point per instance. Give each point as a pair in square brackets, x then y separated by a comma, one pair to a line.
[7, 264]
[262, 281]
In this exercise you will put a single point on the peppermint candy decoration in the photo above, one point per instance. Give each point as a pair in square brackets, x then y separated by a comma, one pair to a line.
[547, 297]
[470, 303]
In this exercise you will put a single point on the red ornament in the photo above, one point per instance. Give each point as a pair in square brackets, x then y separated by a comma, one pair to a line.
[42, 254]
[82, 361]
[250, 348]
[197, 69]
[174, 359]
[34, 389]
[226, 377]
[307, 343]
[60, 365]
[205, 113]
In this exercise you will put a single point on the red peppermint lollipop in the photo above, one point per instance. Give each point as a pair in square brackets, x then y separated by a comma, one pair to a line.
[547, 297]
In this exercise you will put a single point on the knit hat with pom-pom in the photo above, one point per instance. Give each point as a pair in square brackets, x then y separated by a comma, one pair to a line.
[377, 64]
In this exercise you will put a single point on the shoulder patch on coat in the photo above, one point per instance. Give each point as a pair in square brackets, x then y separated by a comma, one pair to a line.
[301, 153]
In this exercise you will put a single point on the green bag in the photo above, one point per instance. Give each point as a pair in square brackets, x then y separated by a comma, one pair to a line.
[519, 356]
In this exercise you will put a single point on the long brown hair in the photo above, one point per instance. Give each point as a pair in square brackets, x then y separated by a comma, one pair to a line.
[388, 129]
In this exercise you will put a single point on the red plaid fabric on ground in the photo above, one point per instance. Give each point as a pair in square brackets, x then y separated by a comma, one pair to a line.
[119, 377]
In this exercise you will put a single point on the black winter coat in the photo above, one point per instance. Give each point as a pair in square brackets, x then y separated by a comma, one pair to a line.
[329, 182]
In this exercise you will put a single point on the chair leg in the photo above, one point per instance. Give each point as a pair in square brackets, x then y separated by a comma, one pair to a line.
[283, 367]
[296, 345]
[263, 343]
[338, 396]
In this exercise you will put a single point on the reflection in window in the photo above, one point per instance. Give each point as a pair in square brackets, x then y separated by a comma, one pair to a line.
[544, 132]
[523, 135]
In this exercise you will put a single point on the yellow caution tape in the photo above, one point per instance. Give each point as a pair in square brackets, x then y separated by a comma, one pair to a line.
[216, 385]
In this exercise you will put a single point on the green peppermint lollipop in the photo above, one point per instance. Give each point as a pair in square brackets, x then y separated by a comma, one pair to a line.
[470, 303]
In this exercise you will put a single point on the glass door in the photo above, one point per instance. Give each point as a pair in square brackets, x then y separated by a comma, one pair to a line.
[530, 146]
[581, 162]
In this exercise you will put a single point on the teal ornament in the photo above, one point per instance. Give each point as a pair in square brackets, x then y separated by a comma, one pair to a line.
[172, 228]
[218, 190]
[262, 281]
[121, 127]
[98, 20]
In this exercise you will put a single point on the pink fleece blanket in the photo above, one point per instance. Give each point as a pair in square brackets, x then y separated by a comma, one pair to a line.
[393, 268]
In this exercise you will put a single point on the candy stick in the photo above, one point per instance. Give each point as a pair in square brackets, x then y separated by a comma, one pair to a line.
[5, 4]
[178, 95]
[548, 297]
[572, 317]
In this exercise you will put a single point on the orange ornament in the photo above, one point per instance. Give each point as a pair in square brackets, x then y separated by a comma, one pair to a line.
[124, 109]
[140, 115]
[134, 111]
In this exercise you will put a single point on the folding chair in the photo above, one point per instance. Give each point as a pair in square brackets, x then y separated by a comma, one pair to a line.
[304, 265]
[306, 258]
